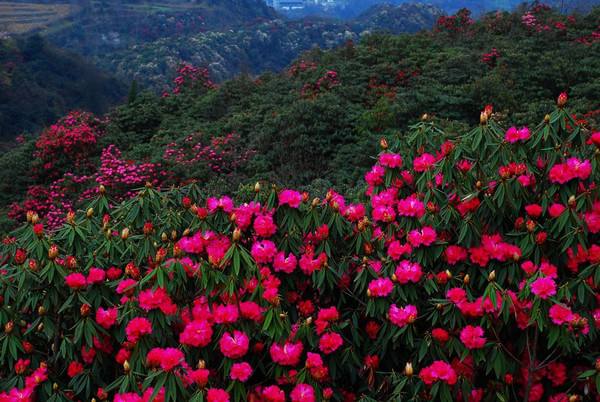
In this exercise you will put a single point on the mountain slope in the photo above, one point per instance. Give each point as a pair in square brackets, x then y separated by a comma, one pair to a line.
[267, 46]
[39, 83]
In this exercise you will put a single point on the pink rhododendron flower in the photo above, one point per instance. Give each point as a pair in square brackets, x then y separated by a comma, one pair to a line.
[423, 163]
[264, 251]
[285, 264]
[402, 316]
[411, 206]
[287, 354]
[408, 271]
[291, 198]
[264, 226]
[543, 287]
[423, 237]
[196, 333]
[390, 160]
[234, 345]
[514, 134]
[438, 371]
[240, 371]
[381, 287]
[303, 393]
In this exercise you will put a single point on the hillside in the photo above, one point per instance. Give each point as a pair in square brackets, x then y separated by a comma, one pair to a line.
[267, 46]
[39, 83]
[315, 125]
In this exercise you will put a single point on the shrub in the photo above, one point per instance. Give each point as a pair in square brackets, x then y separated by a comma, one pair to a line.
[470, 274]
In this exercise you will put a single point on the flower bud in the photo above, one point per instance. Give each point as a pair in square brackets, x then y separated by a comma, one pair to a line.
[9, 326]
[124, 233]
[315, 202]
[408, 370]
[102, 189]
[237, 234]
[562, 99]
[41, 310]
[449, 274]
[492, 276]
[173, 235]
[53, 252]
[424, 117]
[466, 279]
[483, 118]
[126, 367]
[40, 327]
[85, 310]
[547, 119]
[89, 213]
[572, 201]
[70, 218]
[201, 364]
[164, 237]
[257, 187]
[383, 143]
[55, 387]
[186, 232]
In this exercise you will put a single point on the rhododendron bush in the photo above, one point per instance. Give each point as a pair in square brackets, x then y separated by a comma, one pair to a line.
[469, 272]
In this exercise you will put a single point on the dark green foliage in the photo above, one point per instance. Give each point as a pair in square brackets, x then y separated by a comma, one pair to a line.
[40, 83]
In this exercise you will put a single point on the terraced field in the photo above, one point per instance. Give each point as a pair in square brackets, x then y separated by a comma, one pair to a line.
[26, 17]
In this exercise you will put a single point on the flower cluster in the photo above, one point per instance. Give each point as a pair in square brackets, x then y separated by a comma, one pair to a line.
[459, 279]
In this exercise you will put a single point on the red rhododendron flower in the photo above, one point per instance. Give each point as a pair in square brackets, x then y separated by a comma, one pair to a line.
[136, 328]
[75, 368]
[217, 395]
[273, 393]
[560, 314]
[330, 342]
[440, 335]
[106, 318]
[76, 281]
[472, 337]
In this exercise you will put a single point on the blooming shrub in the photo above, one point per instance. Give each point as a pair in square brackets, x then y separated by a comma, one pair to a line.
[421, 293]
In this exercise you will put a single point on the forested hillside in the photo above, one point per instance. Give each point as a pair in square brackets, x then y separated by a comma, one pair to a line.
[39, 83]
[317, 123]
